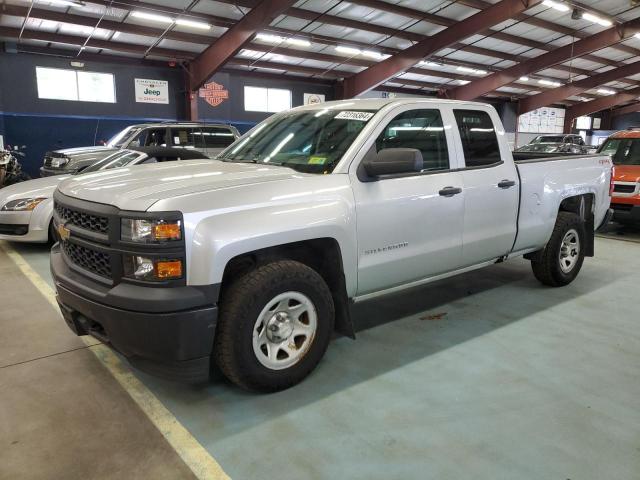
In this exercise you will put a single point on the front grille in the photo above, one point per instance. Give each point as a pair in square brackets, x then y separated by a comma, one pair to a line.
[623, 207]
[93, 223]
[47, 161]
[624, 188]
[88, 259]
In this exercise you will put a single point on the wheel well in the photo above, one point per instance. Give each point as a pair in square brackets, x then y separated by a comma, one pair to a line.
[583, 206]
[321, 254]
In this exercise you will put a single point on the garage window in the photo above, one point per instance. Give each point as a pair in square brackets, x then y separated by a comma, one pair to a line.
[62, 84]
[271, 100]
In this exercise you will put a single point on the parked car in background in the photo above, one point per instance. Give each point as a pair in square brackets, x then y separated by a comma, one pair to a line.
[26, 208]
[624, 149]
[253, 259]
[209, 139]
[555, 144]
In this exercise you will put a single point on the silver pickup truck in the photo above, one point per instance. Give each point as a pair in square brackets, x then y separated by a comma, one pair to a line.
[252, 261]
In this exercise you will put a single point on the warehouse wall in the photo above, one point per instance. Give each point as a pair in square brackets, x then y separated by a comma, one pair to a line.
[44, 125]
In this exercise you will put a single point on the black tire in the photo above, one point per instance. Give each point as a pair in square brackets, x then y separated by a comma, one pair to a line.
[53, 235]
[547, 266]
[241, 305]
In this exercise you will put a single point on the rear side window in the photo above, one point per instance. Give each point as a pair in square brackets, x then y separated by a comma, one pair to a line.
[186, 137]
[419, 129]
[216, 137]
[152, 137]
[479, 139]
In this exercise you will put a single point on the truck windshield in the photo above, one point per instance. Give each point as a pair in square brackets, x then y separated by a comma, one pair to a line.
[119, 159]
[548, 139]
[623, 151]
[311, 141]
[121, 138]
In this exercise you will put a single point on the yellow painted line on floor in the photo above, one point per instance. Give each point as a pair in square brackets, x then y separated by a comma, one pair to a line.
[201, 463]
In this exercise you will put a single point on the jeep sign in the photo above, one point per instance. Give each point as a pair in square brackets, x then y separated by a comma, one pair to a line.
[152, 91]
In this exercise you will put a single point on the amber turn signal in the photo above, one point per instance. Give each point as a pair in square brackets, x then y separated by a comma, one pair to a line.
[167, 231]
[168, 269]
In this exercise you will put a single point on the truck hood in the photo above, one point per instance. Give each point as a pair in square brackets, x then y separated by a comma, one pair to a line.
[38, 188]
[140, 187]
[627, 173]
[77, 150]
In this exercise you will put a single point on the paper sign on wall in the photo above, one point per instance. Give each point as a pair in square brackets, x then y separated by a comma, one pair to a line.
[152, 91]
[313, 98]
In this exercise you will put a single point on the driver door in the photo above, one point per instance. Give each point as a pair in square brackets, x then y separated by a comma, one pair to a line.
[409, 228]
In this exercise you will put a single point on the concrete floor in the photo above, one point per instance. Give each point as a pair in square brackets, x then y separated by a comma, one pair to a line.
[487, 375]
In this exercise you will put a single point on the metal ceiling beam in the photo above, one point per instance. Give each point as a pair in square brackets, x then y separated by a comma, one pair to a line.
[428, 18]
[331, 20]
[604, 103]
[153, 32]
[547, 25]
[374, 76]
[231, 41]
[595, 42]
[633, 108]
[100, 44]
[556, 94]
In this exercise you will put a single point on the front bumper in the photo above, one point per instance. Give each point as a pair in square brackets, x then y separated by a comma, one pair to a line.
[167, 332]
[625, 212]
[27, 226]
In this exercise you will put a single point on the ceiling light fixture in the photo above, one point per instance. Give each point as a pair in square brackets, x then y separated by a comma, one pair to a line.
[265, 37]
[64, 3]
[606, 91]
[430, 64]
[463, 82]
[556, 5]
[192, 23]
[372, 54]
[348, 50]
[299, 42]
[590, 17]
[472, 70]
[549, 83]
[151, 16]
[524, 79]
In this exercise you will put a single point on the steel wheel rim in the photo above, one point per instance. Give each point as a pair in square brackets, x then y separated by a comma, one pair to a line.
[284, 330]
[569, 251]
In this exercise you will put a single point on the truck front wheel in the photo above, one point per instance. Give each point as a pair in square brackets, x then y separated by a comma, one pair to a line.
[274, 326]
[559, 263]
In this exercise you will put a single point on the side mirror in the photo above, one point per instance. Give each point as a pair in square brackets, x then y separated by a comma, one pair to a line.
[393, 161]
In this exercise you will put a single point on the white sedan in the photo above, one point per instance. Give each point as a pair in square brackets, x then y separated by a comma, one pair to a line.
[26, 208]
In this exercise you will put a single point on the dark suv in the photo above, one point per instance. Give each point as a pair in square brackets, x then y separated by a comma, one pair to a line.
[209, 139]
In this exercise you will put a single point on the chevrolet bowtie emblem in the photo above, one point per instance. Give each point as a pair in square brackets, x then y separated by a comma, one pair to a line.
[63, 232]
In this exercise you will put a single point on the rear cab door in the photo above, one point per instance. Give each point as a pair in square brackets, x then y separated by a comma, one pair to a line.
[491, 184]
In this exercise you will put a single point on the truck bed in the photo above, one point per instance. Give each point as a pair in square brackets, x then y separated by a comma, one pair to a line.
[521, 157]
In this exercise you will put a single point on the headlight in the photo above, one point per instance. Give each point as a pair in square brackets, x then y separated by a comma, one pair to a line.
[22, 204]
[58, 162]
[143, 268]
[151, 231]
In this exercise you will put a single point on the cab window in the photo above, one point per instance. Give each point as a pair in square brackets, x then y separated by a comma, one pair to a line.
[419, 129]
[217, 137]
[478, 136]
[186, 137]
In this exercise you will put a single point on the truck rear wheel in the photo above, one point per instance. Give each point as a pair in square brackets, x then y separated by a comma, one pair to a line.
[561, 260]
[274, 326]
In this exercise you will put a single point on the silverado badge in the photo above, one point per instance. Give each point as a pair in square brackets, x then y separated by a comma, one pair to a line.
[63, 232]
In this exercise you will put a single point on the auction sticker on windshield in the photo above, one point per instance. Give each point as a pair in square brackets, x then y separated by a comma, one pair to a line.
[350, 115]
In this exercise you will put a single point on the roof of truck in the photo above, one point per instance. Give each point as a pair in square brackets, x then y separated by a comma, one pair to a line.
[630, 133]
[378, 103]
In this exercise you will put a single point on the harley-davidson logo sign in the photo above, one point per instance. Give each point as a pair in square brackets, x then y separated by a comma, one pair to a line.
[214, 93]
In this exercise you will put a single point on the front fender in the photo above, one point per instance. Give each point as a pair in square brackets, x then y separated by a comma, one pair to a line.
[216, 239]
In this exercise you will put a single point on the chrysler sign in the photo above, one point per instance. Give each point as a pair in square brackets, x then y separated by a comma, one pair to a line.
[152, 91]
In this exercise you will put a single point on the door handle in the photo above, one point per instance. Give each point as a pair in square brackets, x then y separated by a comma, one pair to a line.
[450, 191]
[507, 183]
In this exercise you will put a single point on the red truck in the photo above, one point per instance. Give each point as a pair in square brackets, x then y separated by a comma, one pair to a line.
[624, 148]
